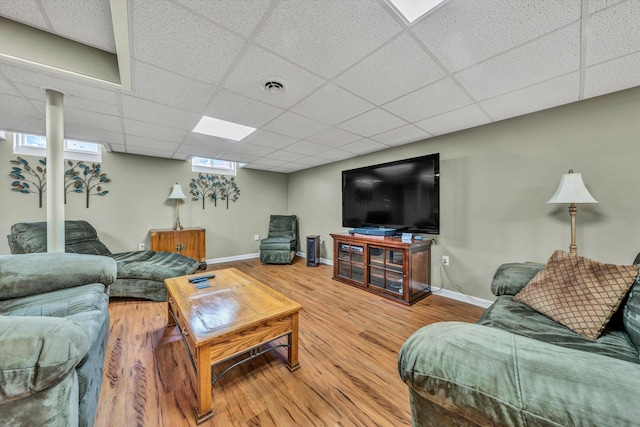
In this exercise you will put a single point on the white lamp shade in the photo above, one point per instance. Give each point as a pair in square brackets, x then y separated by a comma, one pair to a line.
[176, 193]
[572, 190]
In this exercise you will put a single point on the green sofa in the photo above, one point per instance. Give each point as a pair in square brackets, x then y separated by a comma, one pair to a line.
[141, 274]
[517, 367]
[54, 325]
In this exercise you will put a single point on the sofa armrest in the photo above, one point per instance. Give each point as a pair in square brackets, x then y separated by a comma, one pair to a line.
[493, 377]
[31, 274]
[36, 352]
[509, 279]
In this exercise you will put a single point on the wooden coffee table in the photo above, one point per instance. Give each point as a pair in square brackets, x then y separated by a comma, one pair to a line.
[235, 315]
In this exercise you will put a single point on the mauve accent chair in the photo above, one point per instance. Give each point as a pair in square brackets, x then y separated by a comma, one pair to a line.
[141, 274]
[281, 244]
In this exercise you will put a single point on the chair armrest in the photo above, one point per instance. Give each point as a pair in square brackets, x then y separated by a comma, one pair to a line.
[36, 352]
[31, 274]
[494, 377]
[509, 279]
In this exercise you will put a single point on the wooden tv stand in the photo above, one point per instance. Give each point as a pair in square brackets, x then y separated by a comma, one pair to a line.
[383, 265]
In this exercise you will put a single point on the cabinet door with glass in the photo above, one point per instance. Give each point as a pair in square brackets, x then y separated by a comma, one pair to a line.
[386, 269]
[351, 262]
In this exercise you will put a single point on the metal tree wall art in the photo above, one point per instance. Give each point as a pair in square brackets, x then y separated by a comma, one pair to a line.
[90, 178]
[209, 186]
[28, 179]
[72, 182]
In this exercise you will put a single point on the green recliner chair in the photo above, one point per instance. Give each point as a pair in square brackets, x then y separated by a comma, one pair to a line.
[281, 244]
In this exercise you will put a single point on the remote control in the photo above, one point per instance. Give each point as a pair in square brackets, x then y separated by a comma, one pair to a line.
[202, 285]
[202, 278]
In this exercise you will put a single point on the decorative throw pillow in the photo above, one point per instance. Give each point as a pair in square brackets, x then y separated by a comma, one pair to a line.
[577, 292]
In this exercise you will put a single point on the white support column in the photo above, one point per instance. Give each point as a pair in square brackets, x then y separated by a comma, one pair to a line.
[55, 171]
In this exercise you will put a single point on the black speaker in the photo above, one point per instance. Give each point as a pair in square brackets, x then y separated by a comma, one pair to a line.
[313, 251]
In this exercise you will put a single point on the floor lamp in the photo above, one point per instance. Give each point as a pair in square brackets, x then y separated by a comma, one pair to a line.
[572, 190]
[177, 195]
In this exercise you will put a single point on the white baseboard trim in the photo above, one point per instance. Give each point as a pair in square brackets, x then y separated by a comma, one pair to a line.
[480, 302]
[233, 258]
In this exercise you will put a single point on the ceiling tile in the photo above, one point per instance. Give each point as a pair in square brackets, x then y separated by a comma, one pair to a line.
[91, 119]
[364, 146]
[400, 67]
[549, 94]
[154, 144]
[265, 161]
[36, 93]
[464, 118]
[331, 104]
[269, 139]
[241, 19]
[25, 11]
[336, 154]
[88, 22]
[244, 148]
[257, 66]
[149, 152]
[91, 134]
[463, 33]
[148, 130]
[596, 5]
[598, 79]
[306, 147]
[8, 88]
[17, 106]
[372, 122]
[402, 135]
[547, 57]
[236, 108]
[25, 124]
[613, 32]
[285, 156]
[334, 137]
[151, 112]
[233, 156]
[350, 30]
[160, 37]
[437, 98]
[295, 125]
[200, 151]
[313, 161]
[165, 87]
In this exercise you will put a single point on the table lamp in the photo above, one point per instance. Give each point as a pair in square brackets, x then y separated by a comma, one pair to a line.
[572, 190]
[177, 195]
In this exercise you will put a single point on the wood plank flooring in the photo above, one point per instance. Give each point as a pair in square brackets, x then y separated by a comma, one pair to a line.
[349, 342]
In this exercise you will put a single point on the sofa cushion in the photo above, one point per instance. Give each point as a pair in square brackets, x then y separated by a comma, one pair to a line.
[577, 292]
[517, 318]
[631, 314]
[80, 238]
[152, 265]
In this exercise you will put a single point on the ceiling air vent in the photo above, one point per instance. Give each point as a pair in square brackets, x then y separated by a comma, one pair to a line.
[273, 86]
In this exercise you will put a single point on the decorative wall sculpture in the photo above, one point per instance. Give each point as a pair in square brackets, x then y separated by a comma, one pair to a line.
[210, 186]
[84, 179]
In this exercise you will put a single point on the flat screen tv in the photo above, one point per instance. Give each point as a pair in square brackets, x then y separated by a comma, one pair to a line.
[404, 195]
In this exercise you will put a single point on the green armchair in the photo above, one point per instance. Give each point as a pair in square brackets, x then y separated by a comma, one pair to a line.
[281, 244]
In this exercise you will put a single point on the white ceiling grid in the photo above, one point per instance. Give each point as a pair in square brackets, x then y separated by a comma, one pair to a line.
[357, 77]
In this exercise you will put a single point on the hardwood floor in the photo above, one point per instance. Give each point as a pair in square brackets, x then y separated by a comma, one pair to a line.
[348, 349]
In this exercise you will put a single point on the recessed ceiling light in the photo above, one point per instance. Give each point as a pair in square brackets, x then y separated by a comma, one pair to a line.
[411, 10]
[222, 128]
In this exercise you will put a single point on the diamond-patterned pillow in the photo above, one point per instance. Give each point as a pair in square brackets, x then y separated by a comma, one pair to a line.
[577, 292]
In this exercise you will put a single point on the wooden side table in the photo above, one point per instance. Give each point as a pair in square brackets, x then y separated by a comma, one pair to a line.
[189, 242]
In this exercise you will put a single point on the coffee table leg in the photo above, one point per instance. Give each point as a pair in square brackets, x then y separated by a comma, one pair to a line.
[203, 380]
[292, 362]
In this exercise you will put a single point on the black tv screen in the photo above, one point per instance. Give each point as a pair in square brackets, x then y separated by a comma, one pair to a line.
[404, 195]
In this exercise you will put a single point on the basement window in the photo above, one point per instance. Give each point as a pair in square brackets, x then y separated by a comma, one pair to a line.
[215, 166]
[36, 145]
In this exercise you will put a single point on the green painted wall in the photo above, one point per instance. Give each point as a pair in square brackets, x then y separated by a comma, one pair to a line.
[495, 182]
[137, 202]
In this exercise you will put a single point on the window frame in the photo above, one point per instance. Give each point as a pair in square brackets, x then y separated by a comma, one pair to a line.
[218, 170]
[20, 147]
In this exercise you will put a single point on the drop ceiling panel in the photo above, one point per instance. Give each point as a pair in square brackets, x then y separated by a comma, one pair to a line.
[266, 162]
[464, 33]
[149, 152]
[83, 133]
[17, 106]
[332, 104]
[25, 11]
[168, 36]
[402, 135]
[199, 151]
[151, 112]
[285, 156]
[165, 87]
[372, 122]
[258, 66]
[547, 57]
[24, 124]
[334, 137]
[398, 68]
[269, 139]
[437, 98]
[295, 125]
[549, 94]
[349, 29]
[88, 22]
[598, 81]
[148, 130]
[596, 5]
[306, 147]
[91, 119]
[613, 32]
[312, 161]
[233, 156]
[241, 19]
[464, 118]
[38, 94]
[364, 146]
[335, 154]
[154, 144]
[230, 106]
[244, 148]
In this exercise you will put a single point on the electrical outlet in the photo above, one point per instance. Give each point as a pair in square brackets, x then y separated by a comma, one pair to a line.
[445, 260]
[256, 237]
[141, 247]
